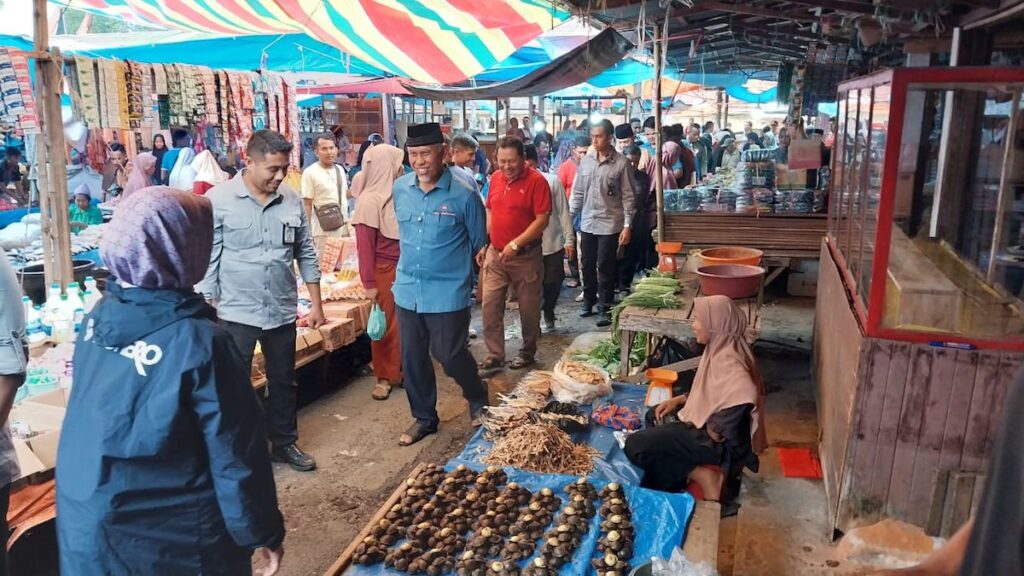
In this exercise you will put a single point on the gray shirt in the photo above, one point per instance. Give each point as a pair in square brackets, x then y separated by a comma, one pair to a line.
[13, 347]
[603, 194]
[255, 247]
[559, 233]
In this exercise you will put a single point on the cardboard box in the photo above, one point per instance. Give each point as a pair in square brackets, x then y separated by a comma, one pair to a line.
[307, 343]
[337, 334]
[357, 311]
[38, 417]
[44, 446]
[57, 398]
[27, 460]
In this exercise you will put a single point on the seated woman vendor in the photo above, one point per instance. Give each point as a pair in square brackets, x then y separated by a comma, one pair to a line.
[719, 423]
[82, 213]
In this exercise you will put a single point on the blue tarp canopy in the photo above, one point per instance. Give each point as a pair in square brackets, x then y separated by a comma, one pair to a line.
[18, 42]
[284, 53]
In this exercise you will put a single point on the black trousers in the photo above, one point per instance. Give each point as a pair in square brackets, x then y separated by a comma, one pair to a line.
[635, 256]
[599, 269]
[669, 452]
[445, 336]
[278, 346]
[554, 274]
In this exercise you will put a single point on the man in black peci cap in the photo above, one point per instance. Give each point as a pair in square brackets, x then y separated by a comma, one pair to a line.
[624, 138]
[441, 226]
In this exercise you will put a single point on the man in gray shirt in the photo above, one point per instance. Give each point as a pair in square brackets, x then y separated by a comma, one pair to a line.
[603, 194]
[13, 360]
[260, 230]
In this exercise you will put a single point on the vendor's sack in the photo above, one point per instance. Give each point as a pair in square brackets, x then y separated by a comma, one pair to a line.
[579, 383]
[377, 324]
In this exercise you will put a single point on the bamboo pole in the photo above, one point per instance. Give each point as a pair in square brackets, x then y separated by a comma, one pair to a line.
[50, 158]
[1004, 199]
[659, 176]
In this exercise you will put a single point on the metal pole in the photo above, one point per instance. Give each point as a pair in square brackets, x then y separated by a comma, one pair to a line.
[725, 121]
[659, 176]
[1004, 184]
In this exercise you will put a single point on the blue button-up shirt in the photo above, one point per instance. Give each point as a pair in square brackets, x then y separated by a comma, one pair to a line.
[255, 249]
[440, 231]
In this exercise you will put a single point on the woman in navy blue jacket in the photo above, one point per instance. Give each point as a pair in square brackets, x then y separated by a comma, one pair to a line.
[163, 468]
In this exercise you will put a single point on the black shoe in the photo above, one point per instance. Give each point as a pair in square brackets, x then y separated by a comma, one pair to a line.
[294, 457]
[586, 311]
[604, 319]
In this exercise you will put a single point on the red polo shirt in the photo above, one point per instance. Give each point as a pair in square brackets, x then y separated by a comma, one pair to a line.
[514, 205]
[567, 174]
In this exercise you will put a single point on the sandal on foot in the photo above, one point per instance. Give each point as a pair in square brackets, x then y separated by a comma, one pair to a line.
[415, 433]
[572, 284]
[519, 362]
[491, 363]
[381, 390]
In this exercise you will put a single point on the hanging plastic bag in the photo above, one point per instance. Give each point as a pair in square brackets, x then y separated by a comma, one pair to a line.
[377, 324]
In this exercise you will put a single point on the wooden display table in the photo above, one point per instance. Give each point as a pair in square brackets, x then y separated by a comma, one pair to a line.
[675, 323]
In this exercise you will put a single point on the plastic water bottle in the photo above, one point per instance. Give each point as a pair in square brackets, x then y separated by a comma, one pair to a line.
[89, 299]
[51, 307]
[74, 292]
[64, 320]
[90, 284]
[79, 315]
[34, 325]
[33, 322]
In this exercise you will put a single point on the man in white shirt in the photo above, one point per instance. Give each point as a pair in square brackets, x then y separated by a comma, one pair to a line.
[13, 361]
[558, 241]
[324, 183]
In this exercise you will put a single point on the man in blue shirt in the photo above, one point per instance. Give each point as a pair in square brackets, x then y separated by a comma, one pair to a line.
[179, 139]
[442, 224]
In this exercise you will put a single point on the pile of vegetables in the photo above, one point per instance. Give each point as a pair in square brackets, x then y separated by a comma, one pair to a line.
[656, 290]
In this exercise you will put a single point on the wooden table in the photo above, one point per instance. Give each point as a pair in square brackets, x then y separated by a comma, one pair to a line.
[676, 323]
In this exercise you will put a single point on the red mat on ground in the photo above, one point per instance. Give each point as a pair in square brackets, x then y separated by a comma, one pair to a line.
[799, 463]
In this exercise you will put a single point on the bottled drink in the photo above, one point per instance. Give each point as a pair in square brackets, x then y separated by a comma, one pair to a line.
[50, 308]
[90, 284]
[74, 292]
[33, 322]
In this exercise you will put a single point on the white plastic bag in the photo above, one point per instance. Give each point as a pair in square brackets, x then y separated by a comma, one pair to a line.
[566, 388]
[679, 565]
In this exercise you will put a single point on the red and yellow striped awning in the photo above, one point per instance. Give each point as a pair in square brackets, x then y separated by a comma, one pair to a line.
[437, 41]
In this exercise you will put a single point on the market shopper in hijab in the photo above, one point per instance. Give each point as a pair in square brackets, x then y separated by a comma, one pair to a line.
[719, 423]
[159, 149]
[208, 172]
[162, 468]
[376, 230]
[141, 175]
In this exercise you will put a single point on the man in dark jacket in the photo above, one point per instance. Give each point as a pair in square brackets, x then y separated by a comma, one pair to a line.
[162, 466]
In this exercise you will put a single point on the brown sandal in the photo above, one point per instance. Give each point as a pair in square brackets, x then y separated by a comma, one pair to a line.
[491, 363]
[520, 362]
[382, 390]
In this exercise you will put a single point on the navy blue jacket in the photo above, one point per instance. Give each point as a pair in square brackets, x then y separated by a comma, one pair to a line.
[163, 465]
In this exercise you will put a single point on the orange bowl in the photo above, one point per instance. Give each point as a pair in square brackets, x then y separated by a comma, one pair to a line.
[732, 280]
[731, 255]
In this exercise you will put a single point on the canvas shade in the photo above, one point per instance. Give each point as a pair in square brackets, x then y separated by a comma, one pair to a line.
[438, 41]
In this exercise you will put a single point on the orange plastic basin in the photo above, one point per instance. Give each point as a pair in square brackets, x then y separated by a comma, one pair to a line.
[731, 255]
[732, 280]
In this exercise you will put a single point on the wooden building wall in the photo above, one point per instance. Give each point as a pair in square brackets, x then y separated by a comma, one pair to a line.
[792, 235]
[895, 425]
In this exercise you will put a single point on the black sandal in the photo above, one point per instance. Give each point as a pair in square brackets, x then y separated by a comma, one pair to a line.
[491, 363]
[416, 432]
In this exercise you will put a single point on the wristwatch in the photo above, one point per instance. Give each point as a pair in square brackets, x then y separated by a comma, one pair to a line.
[514, 245]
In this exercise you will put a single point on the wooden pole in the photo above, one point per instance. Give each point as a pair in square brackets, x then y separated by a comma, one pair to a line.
[50, 158]
[659, 176]
[725, 121]
[1002, 204]
[465, 118]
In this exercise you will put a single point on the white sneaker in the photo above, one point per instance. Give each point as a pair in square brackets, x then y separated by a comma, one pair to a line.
[580, 297]
[472, 332]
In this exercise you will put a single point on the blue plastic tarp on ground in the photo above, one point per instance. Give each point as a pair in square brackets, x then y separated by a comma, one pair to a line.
[660, 518]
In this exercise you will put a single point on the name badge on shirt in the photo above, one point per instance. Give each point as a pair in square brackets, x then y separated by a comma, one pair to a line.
[289, 234]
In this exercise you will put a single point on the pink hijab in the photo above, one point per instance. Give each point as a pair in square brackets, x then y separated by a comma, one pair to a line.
[141, 176]
[669, 156]
[728, 374]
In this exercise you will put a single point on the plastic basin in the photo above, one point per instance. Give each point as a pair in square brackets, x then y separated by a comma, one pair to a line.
[731, 255]
[732, 280]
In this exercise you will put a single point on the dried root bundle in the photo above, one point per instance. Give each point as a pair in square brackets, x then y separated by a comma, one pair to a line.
[542, 448]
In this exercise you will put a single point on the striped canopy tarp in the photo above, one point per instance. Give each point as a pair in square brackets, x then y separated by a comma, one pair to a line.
[436, 41]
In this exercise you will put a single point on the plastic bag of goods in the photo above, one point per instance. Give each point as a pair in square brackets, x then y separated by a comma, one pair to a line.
[579, 383]
[377, 325]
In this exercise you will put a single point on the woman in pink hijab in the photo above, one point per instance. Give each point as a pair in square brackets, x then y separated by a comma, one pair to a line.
[140, 177]
[719, 423]
[669, 156]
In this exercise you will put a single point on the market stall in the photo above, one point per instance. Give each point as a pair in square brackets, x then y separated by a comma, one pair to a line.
[919, 319]
[570, 502]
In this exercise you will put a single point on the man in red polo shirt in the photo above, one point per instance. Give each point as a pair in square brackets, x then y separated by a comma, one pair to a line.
[518, 207]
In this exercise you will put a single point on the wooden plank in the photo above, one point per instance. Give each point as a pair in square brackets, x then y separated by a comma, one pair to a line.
[964, 376]
[345, 560]
[908, 435]
[972, 459]
[933, 427]
[1006, 374]
[896, 383]
[701, 544]
[867, 420]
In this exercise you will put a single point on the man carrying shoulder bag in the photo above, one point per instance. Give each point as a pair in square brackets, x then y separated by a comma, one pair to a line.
[325, 193]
